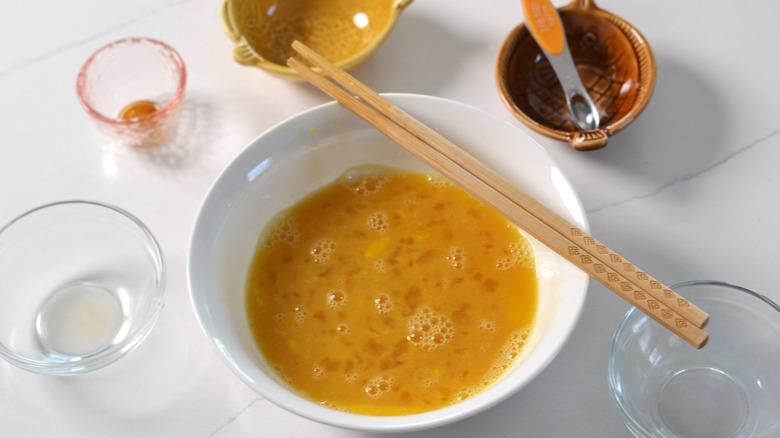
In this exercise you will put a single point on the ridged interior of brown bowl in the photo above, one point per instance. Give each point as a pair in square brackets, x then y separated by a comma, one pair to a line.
[613, 60]
[337, 29]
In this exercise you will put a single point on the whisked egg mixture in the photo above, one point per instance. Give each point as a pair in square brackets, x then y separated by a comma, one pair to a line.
[391, 293]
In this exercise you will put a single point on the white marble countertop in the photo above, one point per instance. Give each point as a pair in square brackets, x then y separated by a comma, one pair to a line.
[688, 191]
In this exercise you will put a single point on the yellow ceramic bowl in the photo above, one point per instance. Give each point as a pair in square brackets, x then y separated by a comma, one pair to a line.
[346, 32]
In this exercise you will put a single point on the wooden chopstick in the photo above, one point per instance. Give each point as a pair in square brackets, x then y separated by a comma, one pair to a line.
[596, 249]
[646, 293]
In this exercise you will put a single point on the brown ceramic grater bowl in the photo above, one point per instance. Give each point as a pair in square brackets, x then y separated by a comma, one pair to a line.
[613, 59]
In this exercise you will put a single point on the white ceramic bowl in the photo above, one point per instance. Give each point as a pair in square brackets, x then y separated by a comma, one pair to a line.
[310, 150]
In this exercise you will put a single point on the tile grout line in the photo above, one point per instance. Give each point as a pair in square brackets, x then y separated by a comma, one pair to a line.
[234, 417]
[42, 57]
[689, 176]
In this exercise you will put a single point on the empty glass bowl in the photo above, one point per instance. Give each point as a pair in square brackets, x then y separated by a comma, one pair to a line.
[663, 387]
[82, 284]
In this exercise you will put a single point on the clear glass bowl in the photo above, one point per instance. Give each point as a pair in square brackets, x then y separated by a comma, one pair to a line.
[663, 387]
[82, 284]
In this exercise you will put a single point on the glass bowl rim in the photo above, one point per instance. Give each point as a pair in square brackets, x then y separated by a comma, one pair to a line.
[612, 373]
[109, 355]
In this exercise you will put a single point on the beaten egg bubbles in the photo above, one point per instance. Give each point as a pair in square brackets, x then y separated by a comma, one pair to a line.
[250, 205]
[389, 292]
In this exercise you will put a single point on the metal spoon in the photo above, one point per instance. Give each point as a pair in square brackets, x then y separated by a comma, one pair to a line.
[546, 27]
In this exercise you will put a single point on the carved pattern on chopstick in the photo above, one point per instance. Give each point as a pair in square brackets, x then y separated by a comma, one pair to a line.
[655, 287]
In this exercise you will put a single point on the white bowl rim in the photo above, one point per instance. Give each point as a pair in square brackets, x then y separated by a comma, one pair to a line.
[425, 420]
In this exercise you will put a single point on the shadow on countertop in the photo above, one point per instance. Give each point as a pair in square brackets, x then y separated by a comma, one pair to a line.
[680, 135]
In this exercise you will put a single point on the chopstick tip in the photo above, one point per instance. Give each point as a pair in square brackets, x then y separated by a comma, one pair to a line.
[703, 342]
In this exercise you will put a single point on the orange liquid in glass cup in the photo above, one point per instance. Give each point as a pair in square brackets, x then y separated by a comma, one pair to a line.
[140, 108]
[133, 89]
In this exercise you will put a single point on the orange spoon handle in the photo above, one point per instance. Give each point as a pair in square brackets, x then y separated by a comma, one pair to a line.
[545, 25]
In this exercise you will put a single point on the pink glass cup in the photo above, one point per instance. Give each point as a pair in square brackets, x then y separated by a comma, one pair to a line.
[132, 71]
